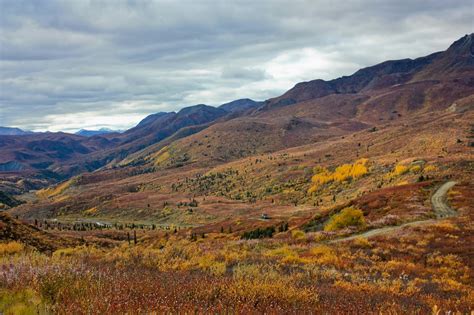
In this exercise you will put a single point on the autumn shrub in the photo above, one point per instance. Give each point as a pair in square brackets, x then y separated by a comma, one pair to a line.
[324, 255]
[430, 169]
[266, 284]
[297, 234]
[415, 169]
[281, 251]
[342, 173]
[362, 242]
[389, 219]
[11, 248]
[209, 263]
[259, 292]
[25, 301]
[58, 189]
[448, 266]
[347, 217]
[398, 170]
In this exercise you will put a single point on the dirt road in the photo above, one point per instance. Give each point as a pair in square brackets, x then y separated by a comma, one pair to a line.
[440, 208]
[438, 201]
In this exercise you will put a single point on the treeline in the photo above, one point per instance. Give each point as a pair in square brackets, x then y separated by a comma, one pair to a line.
[89, 226]
[264, 232]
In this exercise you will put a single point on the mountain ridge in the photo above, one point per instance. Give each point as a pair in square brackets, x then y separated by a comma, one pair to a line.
[307, 113]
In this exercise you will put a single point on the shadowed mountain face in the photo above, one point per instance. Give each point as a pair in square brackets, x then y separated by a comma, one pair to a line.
[241, 106]
[46, 150]
[310, 112]
[161, 125]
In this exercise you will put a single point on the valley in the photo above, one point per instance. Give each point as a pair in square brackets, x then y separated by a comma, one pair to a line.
[353, 195]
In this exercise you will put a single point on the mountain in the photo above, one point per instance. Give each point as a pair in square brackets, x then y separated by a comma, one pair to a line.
[151, 130]
[46, 152]
[8, 131]
[55, 156]
[101, 131]
[317, 110]
[151, 118]
[241, 105]
[311, 112]
[456, 60]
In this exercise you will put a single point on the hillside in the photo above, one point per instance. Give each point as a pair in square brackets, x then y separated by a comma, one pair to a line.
[53, 156]
[309, 112]
[315, 111]
[14, 230]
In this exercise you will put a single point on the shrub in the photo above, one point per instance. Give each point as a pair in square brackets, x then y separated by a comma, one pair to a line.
[10, 248]
[208, 263]
[21, 302]
[400, 170]
[259, 233]
[297, 234]
[415, 169]
[324, 255]
[361, 242]
[342, 173]
[347, 217]
[429, 168]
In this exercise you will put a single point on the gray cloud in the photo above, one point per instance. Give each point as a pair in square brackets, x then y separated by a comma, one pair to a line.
[80, 64]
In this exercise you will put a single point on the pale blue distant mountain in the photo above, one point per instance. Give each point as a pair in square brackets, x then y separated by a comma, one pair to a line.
[9, 131]
[101, 131]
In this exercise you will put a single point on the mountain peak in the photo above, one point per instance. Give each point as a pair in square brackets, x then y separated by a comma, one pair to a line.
[240, 105]
[12, 131]
[464, 45]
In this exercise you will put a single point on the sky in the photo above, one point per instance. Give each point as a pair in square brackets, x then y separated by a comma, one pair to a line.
[73, 64]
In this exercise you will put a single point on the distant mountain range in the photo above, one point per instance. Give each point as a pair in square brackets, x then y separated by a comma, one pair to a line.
[101, 131]
[307, 113]
[9, 131]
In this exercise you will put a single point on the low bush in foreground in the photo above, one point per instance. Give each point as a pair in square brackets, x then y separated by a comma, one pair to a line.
[170, 274]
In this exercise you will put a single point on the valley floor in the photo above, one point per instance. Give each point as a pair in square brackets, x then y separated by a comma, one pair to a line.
[425, 268]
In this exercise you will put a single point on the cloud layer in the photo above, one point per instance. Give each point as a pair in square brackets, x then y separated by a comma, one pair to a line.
[66, 65]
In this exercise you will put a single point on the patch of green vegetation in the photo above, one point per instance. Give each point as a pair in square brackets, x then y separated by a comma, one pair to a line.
[7, 201]
[24, 302]
[259, 233]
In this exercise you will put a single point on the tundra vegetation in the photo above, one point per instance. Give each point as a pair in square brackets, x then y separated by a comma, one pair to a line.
[222, 273]
[276, 267]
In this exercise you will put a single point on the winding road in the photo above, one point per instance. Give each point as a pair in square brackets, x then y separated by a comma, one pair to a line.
[438, 201]
[440, 208]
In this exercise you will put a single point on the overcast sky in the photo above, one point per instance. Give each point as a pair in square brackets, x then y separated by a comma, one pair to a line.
[71, 64]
